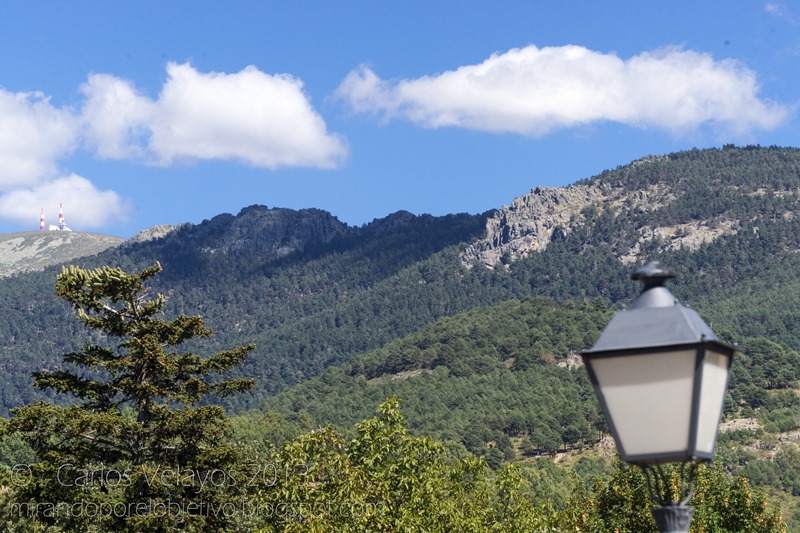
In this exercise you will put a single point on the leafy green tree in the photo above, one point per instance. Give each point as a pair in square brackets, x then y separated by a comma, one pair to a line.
[135, 451]
[723, 504]
[388, 480]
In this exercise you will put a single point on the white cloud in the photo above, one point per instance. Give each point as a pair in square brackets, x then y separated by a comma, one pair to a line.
[115, 116]
[34, 135]
[85, 206]
[253, 117]
[774, 8]
[534, 91]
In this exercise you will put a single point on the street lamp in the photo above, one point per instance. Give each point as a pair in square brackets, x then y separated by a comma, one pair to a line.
[661, 375]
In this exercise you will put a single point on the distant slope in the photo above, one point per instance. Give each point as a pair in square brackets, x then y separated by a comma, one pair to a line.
[35, 250]
[507, 369]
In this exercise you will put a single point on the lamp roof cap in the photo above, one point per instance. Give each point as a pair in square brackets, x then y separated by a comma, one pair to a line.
[653, 273]
[655, 318]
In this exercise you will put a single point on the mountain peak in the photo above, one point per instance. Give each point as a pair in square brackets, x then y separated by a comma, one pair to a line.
[261, 230]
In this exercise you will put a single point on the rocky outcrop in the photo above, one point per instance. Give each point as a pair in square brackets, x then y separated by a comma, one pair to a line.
[280, 231]
[261, 230]
[691, 235]
[527, 225]
[35, 250]
[750, 424]
[156, 232]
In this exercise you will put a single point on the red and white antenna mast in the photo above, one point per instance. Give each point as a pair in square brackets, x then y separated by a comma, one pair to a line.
[61, 224]
[41, 221]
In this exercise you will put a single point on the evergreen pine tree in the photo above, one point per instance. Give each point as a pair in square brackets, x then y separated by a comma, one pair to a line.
[136, 451]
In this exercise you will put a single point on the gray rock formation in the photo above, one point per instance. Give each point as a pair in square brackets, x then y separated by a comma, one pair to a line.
[258, 229]
[255, 230]
[527, 225]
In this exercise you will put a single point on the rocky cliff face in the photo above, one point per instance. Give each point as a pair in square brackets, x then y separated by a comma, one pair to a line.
[280, 231]
[35, 250]
[528, 224]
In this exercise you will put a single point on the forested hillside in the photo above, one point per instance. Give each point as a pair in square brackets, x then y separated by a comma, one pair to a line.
[480, 352]
[251, 291]
[311, 292]
[504, 382]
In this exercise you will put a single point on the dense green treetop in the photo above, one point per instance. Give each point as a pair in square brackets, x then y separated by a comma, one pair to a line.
[385, 479]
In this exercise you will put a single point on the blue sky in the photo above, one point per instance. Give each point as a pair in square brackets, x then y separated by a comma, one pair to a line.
[148, 113]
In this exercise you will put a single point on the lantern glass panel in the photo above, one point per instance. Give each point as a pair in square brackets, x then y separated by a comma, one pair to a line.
[649, 399]
[712, 399]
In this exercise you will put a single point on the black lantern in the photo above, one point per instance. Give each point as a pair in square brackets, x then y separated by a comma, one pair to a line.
[661, 376]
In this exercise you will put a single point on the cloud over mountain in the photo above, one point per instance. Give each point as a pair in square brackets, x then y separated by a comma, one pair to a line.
[534, 91]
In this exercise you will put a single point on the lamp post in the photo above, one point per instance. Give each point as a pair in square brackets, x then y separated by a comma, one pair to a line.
[661, 376]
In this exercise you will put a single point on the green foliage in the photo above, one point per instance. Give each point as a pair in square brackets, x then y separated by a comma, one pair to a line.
[764, 366]
[259, 433]
[14, 450]
[729, 504]
[135, 442]
[384, 479]
[387, 480]
[722, 505]
[782, 472]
